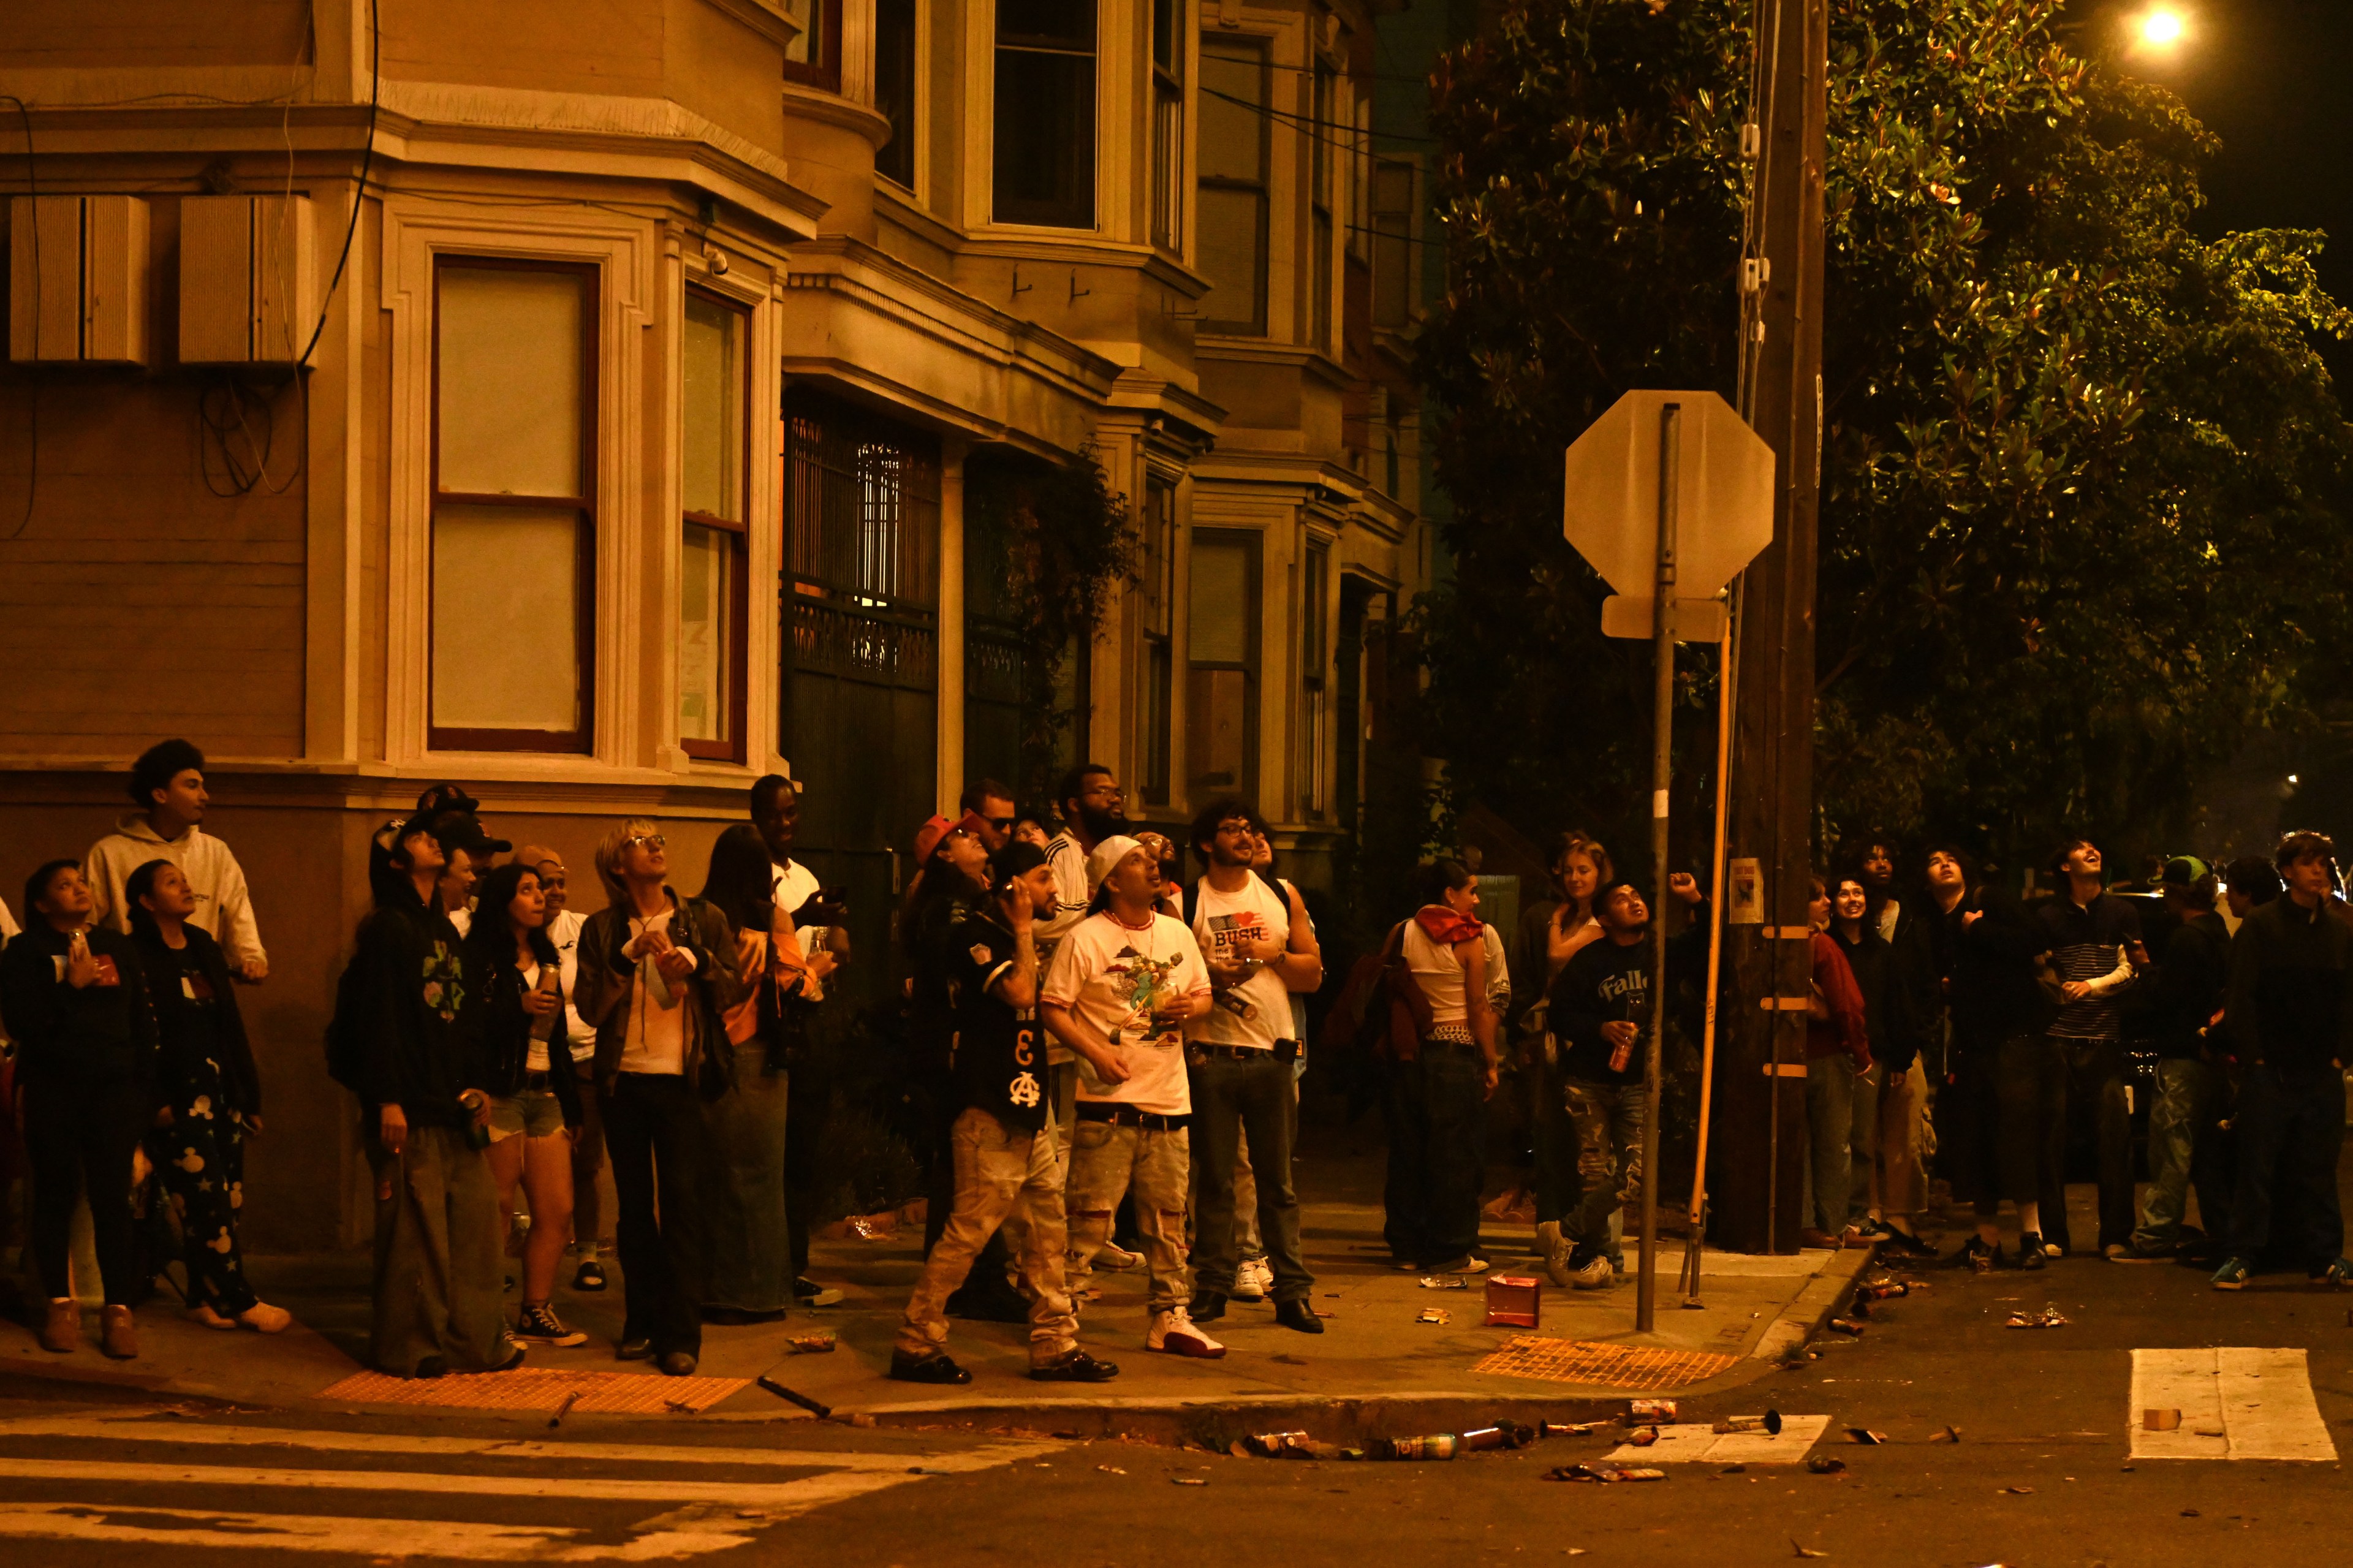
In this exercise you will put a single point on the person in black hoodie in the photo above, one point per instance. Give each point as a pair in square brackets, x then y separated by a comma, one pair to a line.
[2291, 1027]
[438, 1250]
[2184, 1122]
[1600, 1008]
[515, 1005]
[214, 1096]
[1999, 1094]
[74, 998]
[1898, 1190]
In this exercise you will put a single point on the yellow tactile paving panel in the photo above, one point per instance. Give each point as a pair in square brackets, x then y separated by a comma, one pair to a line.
[1606, 1365]
[535, 1388]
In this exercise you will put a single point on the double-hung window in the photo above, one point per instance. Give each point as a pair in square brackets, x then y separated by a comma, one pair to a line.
[814, 57]
[1314, 687]
[895, 88]
[1157, 601]
[1045, 122]
[1322, 137]
[1221, 702]
[713, 571]
[515, 506]
[1230, 214]
[1168, 37]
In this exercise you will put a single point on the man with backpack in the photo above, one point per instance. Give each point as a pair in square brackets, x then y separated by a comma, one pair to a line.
[1238, 1059]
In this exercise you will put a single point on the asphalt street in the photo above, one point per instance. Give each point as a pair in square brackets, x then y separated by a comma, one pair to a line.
[2040, 1469]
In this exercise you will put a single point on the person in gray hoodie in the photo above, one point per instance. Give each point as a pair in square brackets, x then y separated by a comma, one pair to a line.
[168, 784]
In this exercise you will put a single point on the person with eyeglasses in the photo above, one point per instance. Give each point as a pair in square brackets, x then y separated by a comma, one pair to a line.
[657, 974]
[992, 803]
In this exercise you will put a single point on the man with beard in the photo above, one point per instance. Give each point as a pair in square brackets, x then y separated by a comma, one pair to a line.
[1093, 809]
[825, 946]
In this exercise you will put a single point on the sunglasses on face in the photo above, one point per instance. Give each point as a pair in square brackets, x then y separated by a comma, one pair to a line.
[1002, 824]
[650, 840]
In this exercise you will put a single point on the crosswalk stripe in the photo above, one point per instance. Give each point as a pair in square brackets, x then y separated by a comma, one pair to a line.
[98, 1524]
[826, 1488]
[2236, 1403]
[124, 1430]
[699, 1516]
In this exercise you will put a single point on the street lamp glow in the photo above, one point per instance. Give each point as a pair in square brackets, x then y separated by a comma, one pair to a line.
[2161, 28]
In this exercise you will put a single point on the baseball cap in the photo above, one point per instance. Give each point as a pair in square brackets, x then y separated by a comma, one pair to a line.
[928, 837]
[464, 830]
[1109, 854]
[2183, 871]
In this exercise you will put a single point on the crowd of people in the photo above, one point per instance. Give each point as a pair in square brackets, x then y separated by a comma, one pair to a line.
[1951, 1024]
[1105, 1046]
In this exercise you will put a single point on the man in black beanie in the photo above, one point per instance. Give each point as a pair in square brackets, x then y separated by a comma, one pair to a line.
[1008, 1162]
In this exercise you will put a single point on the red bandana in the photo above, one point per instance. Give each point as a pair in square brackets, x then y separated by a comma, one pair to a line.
[1445, 927]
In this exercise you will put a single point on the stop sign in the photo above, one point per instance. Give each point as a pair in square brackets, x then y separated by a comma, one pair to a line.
[1724, 497]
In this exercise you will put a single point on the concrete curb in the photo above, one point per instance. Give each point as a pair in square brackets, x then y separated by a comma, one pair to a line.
[1819, 1302]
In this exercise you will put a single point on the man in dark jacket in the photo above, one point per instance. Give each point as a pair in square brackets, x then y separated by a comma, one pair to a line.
[2290, 1019]
[2183, 1129]
[74, 997]
[1600, 1007]
[2090, 935]
[439, 1259]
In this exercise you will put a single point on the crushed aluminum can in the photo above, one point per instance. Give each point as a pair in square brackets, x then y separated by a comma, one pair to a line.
[1442, 1445]
[1268, 1445]
[813, 1345]
[1881, 1289]
[1439, 1315]
[1600, 1472]
[1574, 1428]
[1642, 1437]
[2049, 1318]
[1847, 1326]
[1640, 1410]
[1444, 1282]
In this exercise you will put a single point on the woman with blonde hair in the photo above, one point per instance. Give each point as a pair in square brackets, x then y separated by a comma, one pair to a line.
[657, 973]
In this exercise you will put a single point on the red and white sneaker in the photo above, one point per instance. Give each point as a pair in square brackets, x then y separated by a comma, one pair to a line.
[1174, 1331]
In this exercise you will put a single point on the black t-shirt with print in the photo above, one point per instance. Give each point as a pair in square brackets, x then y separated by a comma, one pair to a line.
[1001, 1051]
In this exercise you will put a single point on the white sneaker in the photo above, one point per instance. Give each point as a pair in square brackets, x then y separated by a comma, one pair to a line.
[1592, 1275]
[1253, 1279]
[1111, 1255]
[1174, 1331]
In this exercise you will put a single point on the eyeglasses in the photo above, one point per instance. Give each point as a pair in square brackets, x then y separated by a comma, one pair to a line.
[650, 840]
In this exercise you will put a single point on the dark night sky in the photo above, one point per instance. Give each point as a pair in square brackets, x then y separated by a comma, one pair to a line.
[2274, 79]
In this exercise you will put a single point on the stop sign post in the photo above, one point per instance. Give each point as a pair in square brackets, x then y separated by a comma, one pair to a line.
[1668, 495]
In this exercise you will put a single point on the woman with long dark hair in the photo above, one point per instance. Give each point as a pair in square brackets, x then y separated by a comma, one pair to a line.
[212, 1093]
[751, 1266]
[1583, 868]
[517, 1002]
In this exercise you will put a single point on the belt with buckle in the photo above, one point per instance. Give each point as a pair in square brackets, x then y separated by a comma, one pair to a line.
[1129, 1116]
[538, 1083]
[1230, 1053]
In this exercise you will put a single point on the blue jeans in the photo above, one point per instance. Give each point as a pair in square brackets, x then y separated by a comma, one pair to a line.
[1436, 1109]
[2291, 1129]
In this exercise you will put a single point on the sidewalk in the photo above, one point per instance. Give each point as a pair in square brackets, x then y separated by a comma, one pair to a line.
[1375, 1364]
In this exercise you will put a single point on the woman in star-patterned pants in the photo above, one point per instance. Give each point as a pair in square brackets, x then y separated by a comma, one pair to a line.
[202, 1166]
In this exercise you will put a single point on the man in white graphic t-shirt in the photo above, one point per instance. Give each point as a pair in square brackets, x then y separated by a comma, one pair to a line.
[1238, 1055]
[1123, 981]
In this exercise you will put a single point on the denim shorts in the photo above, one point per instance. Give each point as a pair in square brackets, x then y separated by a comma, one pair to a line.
[534, 1113]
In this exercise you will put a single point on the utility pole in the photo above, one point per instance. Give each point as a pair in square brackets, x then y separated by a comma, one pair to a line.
[1760, 1078]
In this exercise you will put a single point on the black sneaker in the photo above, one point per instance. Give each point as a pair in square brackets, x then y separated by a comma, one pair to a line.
[936, 1368]
[1206, 1307]
[1905, 1243]
[2031, 1253]
[590, 1276]
[1072, 1366]
[812, 1294]
[539, 1325]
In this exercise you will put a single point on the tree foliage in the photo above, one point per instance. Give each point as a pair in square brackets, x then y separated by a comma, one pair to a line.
[2084, 471]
